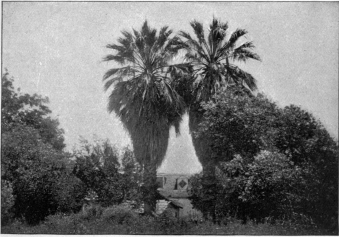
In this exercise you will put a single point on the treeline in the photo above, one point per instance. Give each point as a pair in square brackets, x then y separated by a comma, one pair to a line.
[269, 163]
[38, 178]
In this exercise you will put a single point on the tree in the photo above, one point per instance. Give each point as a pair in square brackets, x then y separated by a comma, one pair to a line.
[33, 165]
[29, 110]
[267, 188]
[212, 73]
[270, 139]
[239, 125]
[143, 97]
[97, 166]
[304, 139]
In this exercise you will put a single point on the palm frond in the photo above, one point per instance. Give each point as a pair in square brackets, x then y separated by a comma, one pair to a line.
[246, 45]
[195, 50]
[116, 58]
[164, 33]
[127, 35]
[179, 69]
[120, 72]
[118, 48]
[110, 82]
[125, 42]
[244, 55]
[235, 36]
[151, 38]
[216, 35]
[136, 34]
[241, 76]
[198, 30]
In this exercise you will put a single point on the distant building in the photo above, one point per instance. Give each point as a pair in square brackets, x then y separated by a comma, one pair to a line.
[173, 189]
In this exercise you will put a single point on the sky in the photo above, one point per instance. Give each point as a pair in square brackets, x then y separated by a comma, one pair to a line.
[55, 49]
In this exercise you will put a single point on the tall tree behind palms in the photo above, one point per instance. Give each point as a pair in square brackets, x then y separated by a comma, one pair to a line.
[212, 57]
[143, 98]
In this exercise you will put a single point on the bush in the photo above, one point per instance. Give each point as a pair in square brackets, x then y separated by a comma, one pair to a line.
[69, 193]
[269, 187]
[97, 166]
[33, 168]
[120, 214]
[91, 212]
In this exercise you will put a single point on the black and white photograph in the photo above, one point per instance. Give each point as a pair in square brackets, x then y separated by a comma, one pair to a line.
[169, 118]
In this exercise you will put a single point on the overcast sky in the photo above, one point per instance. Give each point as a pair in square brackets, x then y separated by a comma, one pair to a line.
[56, 50]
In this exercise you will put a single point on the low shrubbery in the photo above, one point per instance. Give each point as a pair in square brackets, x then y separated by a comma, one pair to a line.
[120, 214]
[122, 220]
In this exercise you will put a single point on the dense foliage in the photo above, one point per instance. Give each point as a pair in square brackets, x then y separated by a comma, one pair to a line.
[29, 110]
[33, 164]
[39, 179]
[107, 182]
[270, 162]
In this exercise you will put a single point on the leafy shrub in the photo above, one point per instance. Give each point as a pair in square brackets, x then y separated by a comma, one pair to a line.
[69, 193]
[33, 167]
[120, 214]
[166, 218]
[91, 212]
[269, 188]
[97, 166]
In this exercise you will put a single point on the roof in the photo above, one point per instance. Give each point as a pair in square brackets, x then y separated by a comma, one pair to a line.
[177, 204]
[174, 193]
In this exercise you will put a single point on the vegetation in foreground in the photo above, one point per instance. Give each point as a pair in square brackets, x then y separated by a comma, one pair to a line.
[121, 220]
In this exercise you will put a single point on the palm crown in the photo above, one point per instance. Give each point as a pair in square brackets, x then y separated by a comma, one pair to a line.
[211, 56]
[142, 96]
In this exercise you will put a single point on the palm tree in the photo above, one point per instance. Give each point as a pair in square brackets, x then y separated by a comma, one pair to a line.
[143, 97]
[212, 59]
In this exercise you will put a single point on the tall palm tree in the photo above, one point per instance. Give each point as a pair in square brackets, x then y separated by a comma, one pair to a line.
[143, 97]
[212, 58]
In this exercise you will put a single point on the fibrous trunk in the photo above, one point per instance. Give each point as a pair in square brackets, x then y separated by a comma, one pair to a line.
[149, 187]
[203, 151]
[210, 190]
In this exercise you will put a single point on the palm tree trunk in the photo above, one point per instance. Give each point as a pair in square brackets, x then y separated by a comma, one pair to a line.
[210, 189]
[203, 151]
[201, 144]
[150, 187]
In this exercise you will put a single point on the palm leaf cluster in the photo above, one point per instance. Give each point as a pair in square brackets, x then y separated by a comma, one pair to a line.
[212, 58]
[143, 96]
